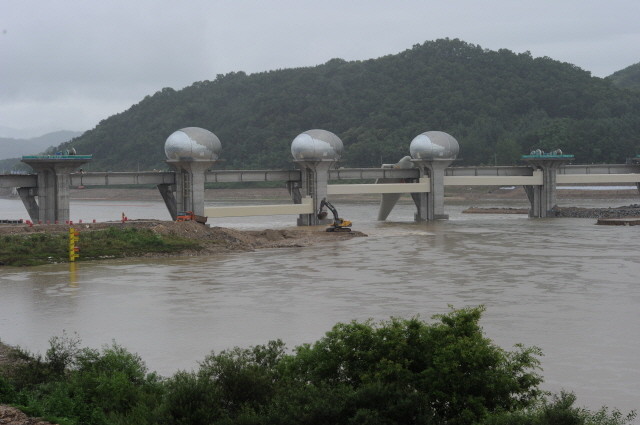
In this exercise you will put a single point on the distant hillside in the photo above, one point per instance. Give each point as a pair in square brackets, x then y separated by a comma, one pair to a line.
[14, 148]
[498, 105]
[628, 78]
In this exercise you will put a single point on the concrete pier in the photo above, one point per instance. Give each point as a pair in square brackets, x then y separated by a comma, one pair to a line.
[52, 192]
[432, 153]
[314, 184]
[430, 205]
[190, 151]
[314, 152]
[543, 197]
[189, 186]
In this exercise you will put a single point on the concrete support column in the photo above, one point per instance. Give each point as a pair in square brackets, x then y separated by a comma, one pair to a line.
[166, 191]
[389, 200]
[315, 179]
[28, 196]
[294, 191]
[430, 206]
[543, 198]
[54, 181]
[190, 179]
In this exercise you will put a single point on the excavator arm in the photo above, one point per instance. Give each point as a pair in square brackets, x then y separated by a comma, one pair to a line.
[339, 224]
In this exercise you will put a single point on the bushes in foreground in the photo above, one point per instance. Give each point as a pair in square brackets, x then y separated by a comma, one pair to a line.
[394, 372]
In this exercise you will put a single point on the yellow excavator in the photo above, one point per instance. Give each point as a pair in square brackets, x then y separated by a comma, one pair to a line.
[339, 224]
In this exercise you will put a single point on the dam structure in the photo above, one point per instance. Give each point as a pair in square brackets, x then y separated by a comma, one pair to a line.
[193, 152]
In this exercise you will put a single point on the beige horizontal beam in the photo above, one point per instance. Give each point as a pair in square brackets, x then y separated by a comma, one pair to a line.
[534, 180]
[306, 207]
[18, 180]
[597, 178]
[350, 189]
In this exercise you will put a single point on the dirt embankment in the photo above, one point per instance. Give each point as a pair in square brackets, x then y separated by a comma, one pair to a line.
[12, 416]
[212, 239]
[617, 212]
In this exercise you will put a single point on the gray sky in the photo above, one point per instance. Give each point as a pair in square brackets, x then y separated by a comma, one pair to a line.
[67, 64]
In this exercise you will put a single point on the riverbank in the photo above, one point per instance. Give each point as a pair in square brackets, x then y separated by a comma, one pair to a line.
[155, 238]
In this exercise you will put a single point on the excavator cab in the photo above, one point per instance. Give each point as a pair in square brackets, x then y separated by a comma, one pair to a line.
[339, 224]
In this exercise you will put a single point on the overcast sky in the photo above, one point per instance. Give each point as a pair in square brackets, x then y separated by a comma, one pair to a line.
[67, 64]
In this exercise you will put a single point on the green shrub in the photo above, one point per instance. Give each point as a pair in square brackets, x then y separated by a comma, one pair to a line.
[400, 371]
[560, 410]
[191, 399]
[407, 370]
[7, 391]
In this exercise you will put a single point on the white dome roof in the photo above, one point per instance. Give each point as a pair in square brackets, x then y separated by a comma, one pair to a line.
[316, 145]
[192, 143]
[434, 145]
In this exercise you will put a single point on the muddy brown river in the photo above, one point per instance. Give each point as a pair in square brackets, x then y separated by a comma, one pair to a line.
[566, 285]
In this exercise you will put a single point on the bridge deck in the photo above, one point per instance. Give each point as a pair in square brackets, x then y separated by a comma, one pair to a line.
[513, 175]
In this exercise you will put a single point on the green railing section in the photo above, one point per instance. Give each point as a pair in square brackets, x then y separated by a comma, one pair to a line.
[57, 157]
[547, 156]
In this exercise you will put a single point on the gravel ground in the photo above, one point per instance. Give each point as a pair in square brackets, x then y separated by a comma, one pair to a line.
[12, 416]
[628, 211]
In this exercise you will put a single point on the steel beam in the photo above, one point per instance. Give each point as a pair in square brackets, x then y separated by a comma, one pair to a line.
[240, 176]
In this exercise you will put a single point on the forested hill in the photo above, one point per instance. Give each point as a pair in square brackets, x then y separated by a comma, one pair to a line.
[628, 78]
[497, 104]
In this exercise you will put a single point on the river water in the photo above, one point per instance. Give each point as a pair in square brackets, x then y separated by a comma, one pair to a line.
[565, 285]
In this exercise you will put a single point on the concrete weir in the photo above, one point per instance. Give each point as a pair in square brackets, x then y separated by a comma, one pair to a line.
[192, 152]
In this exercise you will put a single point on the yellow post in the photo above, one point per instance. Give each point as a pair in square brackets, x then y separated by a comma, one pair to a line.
[74, 237]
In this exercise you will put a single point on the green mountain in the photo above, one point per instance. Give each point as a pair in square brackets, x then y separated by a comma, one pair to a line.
[497, 104]
[628, 78]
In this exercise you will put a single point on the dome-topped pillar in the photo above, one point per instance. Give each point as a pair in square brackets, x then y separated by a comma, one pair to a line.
[432, 153]
[190, 152]
[315, 152]
[190, 179]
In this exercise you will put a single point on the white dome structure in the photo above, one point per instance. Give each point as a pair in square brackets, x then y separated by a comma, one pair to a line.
[434, 145]
[316, 145]
[192, 143]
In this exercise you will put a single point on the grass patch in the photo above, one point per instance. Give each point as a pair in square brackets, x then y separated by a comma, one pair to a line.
[47, 248]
